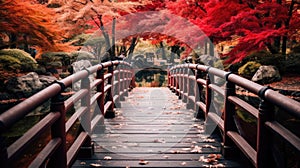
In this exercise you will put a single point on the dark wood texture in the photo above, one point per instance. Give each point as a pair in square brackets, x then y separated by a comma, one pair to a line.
[154, 126]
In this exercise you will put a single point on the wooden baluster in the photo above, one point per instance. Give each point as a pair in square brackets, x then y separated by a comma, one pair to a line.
[264, 136]
[100, 88]
[229, 149]
[110, 113]
[87, 148]
[59, 157]
[123, 83]
[209, 124]
[185, 84]
[190, 89]
[132, 82]
[178, 83]
[198, 94]
[117, 87]
[3, 153]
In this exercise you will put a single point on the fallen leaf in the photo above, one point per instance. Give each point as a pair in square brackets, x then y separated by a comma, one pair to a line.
[216, 156]
[95, 165]
[209, 140]
[166, 156]
[186, 149]
[208, 146]
[196, 149]
[143, 162]
[107, 158]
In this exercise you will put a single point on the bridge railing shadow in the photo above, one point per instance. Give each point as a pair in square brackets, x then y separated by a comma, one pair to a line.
[198, 85]
[112, 83]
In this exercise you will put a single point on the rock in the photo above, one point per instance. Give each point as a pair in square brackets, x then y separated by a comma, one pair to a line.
[47, 80]
[26, 83]
[266, 74]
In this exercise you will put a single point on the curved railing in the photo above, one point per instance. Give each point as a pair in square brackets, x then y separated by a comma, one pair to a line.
[112, 83]
[196, 85]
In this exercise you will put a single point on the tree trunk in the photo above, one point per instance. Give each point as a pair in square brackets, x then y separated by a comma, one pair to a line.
[13, 40]
[287, 25]
[211, 48]
[163, 53]
[205, 47]
[131, 48]
[113, 40]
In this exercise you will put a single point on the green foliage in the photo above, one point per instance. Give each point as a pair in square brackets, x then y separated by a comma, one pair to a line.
[27, 63]
[9, 63]
[264, 58]
[82, 55]
[249, 69]
[245, 116]
[54, 59]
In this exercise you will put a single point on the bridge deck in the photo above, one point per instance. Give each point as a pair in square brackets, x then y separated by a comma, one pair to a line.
[154, 129]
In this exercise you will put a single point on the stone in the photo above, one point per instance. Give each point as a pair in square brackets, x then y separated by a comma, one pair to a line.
[27, 83]
[266, 74]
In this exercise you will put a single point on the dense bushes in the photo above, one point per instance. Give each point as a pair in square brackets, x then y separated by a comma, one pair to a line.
[249, 69]
[17, 60]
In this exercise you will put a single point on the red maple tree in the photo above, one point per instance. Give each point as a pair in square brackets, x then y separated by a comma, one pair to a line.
[26, 24]
[256, 25]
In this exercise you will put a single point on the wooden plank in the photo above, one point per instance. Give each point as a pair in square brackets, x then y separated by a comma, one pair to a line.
[243, 145]
[106, 106]
[217, 119]
[74, 117]
[152, 125]
[286, 134]
[47, 151]
[246, 106]
[74, 149]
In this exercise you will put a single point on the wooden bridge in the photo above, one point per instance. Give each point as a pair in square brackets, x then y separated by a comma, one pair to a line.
[192, 126]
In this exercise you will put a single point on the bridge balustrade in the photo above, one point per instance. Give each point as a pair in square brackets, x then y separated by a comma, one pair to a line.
[112, 83]
[197, 85]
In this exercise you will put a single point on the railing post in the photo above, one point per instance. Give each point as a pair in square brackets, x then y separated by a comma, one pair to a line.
[198, 94]
[178, 83]
[229, 147]
[264, 136]
[185, 85]
[123, 81]
[209, 125]
[100, 88]
[110, 111]
[132, 81]
[190, 89]
[59, 158]
[3, 153]
[87, 148]
[117, 87]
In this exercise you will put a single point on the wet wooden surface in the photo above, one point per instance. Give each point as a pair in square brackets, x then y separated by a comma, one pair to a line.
[154, 129]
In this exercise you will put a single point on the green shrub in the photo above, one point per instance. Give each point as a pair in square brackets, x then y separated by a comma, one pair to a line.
[81, 55]
[264, 58]
[249, 69]
[48, 58]
[27, 62]
[9, 63]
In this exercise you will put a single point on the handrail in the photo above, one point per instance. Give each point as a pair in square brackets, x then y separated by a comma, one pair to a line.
[55, 153]
[190, 87]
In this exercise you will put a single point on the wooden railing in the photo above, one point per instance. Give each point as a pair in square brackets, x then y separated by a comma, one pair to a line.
[198, 86]
[112, 83]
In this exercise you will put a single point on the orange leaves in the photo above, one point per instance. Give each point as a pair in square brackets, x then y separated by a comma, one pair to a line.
[32, 23]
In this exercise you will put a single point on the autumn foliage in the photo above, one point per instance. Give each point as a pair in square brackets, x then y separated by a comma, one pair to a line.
[253, 25]
[29, 24]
